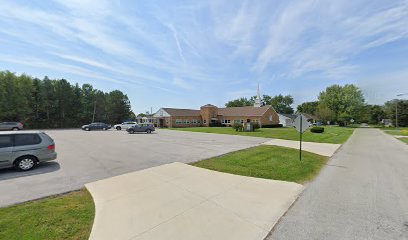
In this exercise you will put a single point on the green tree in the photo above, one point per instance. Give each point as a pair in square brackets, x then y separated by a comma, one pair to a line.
[308, 107]
[240, 102]
[118, 106]
[376, 114]
[324, 113]
[88, 102]
[282, 104]
[390, 109]
[57, 103]
[346, 99]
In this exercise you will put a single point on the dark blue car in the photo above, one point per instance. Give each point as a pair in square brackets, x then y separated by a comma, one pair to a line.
[96, 126]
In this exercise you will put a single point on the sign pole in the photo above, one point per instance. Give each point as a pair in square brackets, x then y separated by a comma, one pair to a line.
[301, 133]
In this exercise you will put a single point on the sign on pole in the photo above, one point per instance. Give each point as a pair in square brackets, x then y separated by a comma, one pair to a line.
[301, 125]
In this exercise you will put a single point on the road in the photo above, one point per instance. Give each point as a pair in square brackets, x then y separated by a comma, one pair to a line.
[85, 157]
[361, 194]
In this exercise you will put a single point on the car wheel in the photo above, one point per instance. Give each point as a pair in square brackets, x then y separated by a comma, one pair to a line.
[87, 129]
[104, 129]
[15, 129]
[118, 128]
[131, 131]
[25, 163]
[149, 131]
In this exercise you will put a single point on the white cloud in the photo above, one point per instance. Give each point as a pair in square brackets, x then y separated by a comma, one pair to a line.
[328, 40]
[208, 44]
[182, 83]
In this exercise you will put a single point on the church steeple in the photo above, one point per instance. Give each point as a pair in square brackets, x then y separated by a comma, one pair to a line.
[258, 100]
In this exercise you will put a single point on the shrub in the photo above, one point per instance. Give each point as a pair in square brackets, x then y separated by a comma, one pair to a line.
[272, 126]
[317, 129]
[256, 126]
[238, 127]
[216, 124]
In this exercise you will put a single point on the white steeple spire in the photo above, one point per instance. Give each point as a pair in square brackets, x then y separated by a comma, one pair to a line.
[258, 100]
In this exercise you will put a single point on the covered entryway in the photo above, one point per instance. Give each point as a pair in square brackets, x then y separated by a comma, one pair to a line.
[161, 123]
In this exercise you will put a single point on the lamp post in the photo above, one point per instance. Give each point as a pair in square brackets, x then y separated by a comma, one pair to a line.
[396, 109]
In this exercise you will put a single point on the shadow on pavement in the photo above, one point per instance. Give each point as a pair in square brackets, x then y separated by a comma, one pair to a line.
[46, 167]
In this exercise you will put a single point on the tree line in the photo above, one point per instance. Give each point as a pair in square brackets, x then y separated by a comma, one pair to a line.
[282, 104]
[56, 103]
[337, 104]
[343, 103]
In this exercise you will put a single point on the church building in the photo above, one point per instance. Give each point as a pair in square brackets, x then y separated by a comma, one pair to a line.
[210, 114]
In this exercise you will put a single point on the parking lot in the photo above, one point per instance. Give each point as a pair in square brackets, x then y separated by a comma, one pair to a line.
[88, 156]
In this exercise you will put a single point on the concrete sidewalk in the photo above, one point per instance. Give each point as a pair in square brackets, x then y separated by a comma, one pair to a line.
[182, 202]
[360, 194]
[324, 149]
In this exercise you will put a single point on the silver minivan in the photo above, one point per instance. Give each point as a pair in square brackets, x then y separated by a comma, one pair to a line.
[25, 149]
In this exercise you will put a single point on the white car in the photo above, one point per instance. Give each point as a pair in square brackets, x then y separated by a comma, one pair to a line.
[124, 125]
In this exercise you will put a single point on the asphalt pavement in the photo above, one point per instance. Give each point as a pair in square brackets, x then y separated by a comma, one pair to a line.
[85, 157]
[362, 193]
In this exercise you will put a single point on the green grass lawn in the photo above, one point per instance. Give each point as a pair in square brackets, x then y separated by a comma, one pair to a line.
[271, 162]
[405, 140]
[68, 216]
[330, 135]
[398, 132]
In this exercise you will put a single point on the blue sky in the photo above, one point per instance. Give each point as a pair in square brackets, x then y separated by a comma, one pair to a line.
[188, 53]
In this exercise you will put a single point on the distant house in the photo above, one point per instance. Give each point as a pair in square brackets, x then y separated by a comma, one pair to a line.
[387, 122]
[287, 119]
[210, 114]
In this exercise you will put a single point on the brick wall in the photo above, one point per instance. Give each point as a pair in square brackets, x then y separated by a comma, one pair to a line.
[265, 117]
[207, 113]
[262, 120]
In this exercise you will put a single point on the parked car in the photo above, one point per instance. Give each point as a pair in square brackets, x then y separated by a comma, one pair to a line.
[143, 127]
[96, 126]
[15, 126]
[25, 150]
[124, 125]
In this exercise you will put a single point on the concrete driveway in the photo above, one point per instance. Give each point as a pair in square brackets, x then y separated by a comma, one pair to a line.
[85, 157]
[362, 193]
[182, 202]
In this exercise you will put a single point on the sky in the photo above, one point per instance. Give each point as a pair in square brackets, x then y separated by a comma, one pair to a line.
[185, 54]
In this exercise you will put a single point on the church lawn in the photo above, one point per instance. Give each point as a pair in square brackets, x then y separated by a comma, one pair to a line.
[270, 162]
[67, 216]
[331, 134]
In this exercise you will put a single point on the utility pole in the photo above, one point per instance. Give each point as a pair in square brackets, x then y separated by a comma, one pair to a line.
[301, 133]
[93, 116]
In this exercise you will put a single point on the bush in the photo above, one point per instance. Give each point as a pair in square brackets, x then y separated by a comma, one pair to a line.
[256, 125]
[216, 124]
[317, 129]
[238, 127]
[272, 126]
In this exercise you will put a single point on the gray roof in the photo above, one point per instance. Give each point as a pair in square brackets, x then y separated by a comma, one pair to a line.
[248, 111]
[182, 112]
